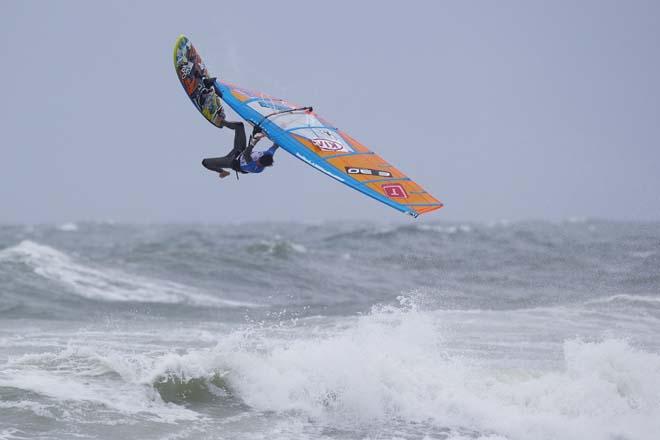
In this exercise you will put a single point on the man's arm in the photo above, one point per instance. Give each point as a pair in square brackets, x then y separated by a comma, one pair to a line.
[247, 153]
[273, 149]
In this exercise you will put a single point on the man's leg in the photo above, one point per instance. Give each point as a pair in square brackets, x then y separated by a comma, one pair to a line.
[231, 124]
[239, 137]
[218, 163]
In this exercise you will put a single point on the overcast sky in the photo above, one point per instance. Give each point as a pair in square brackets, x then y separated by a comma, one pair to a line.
[502, 110]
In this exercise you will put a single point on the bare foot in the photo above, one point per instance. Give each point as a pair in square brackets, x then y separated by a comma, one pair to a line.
[222, 174]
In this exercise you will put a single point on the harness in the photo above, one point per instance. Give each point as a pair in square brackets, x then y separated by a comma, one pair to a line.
[236, 161]
[236, 165]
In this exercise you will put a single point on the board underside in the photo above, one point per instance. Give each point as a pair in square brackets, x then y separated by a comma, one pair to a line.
[191, 70]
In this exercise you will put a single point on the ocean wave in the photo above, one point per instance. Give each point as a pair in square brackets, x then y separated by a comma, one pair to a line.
[86, 398]
[181, 389]
[277, 247]
[624, 297]
[380, 232]
[392, 365]
[11, 433]
[90, 380]
[94, 379]
[35, 408]
[68, 227]
[103, 284]
[447, 229]
[388, 366]
[443, 229]
[643, 254]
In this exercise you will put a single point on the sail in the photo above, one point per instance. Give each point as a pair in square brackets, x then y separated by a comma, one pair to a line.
[307, 136]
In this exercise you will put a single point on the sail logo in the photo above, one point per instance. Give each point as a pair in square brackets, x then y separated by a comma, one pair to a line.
[329, 145]
[281, 105]
[395, 190]
[367, 172]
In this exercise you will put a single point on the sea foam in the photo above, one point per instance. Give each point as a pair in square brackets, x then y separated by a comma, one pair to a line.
[391, 366]
[387, 368]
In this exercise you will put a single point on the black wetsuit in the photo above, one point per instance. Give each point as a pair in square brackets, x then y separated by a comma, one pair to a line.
[231, 160]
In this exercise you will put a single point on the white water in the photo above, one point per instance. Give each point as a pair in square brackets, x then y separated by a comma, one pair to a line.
[393, 365]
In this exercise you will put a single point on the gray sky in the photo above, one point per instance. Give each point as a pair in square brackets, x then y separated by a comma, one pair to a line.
[508, 109]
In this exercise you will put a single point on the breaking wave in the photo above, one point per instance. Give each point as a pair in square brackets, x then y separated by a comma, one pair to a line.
[389, 366]
[182, 389]
[106, 284]
[392, 365]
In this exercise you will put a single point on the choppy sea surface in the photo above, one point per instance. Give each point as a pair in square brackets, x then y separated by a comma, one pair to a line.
[529, 330]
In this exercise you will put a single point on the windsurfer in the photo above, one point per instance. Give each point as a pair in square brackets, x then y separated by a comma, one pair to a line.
[241, 158]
